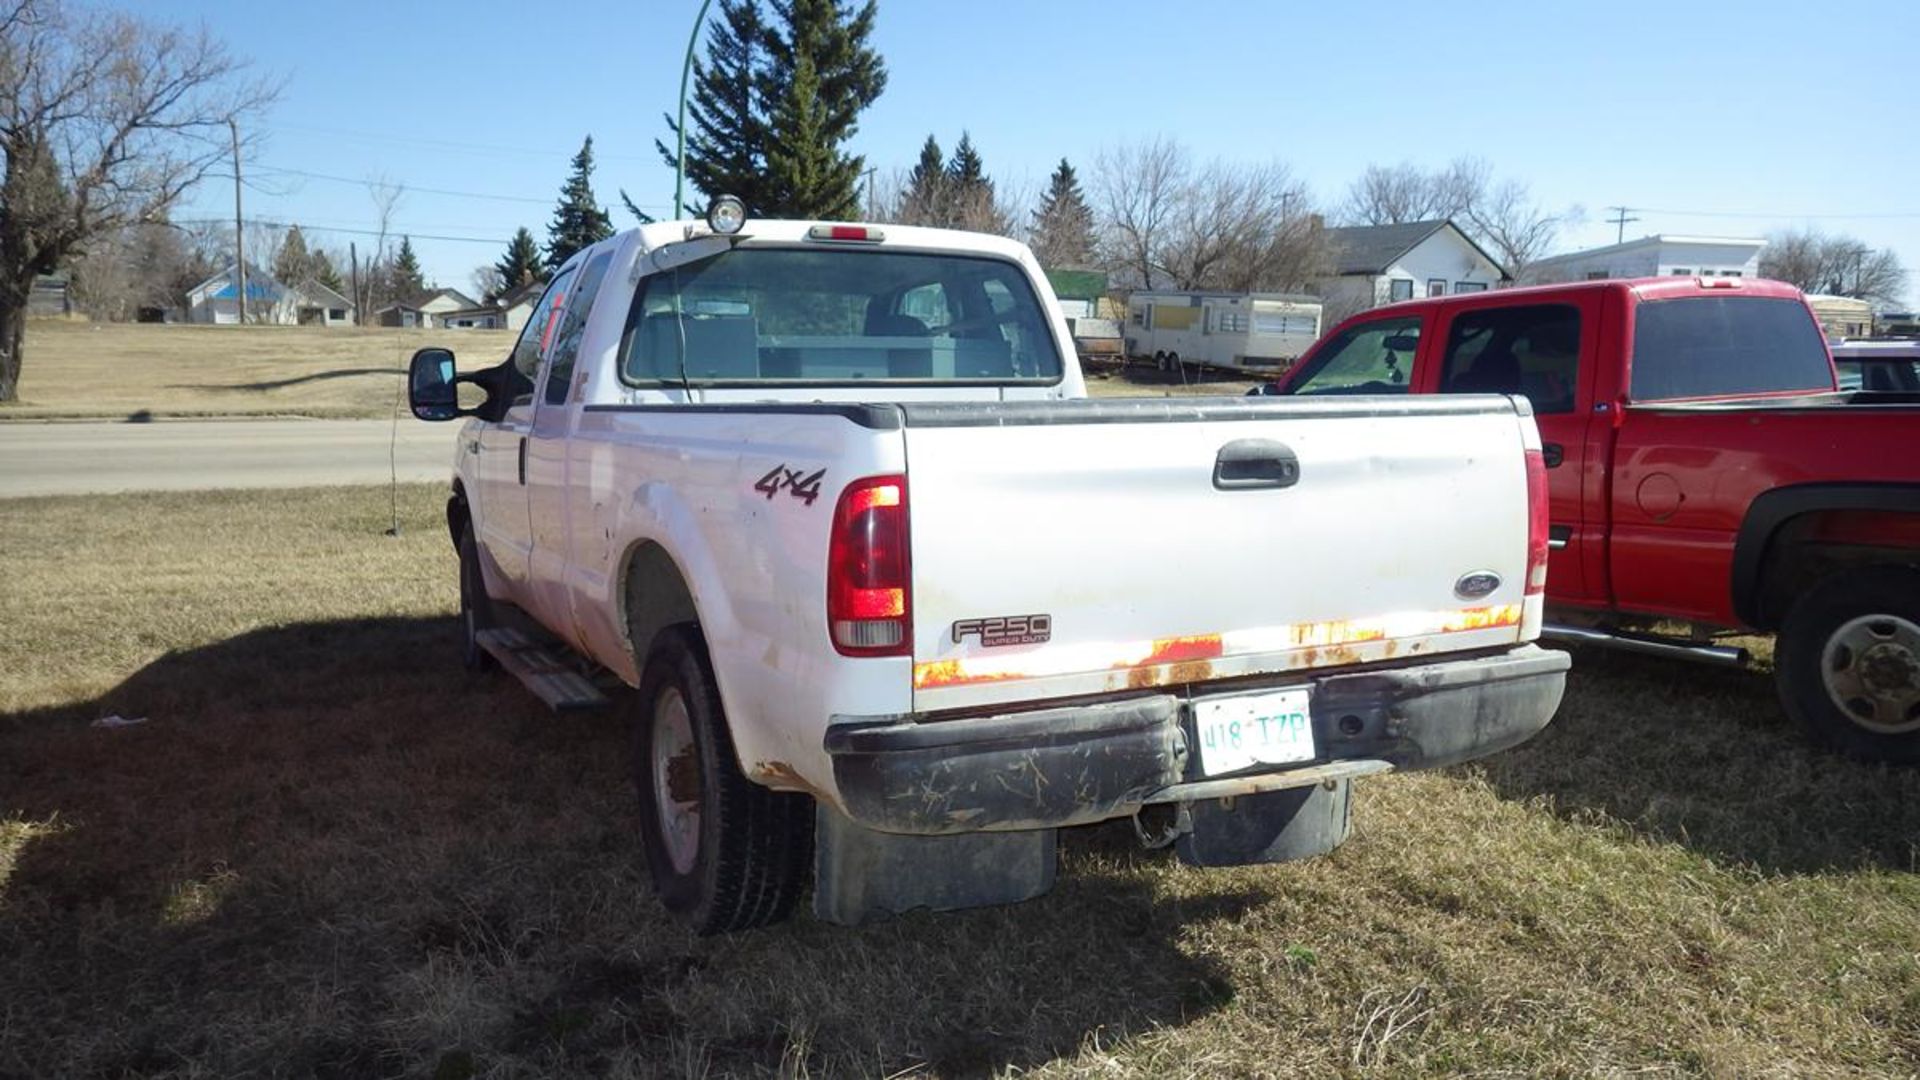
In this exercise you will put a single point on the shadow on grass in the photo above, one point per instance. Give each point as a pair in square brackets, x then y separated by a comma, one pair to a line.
[329, 851]
[282, 384]
[1706, 757]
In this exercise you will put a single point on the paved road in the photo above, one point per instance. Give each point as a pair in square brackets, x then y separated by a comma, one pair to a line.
[180, 455]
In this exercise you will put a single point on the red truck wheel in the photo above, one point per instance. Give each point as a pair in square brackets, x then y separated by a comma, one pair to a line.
[725, 853]
[1848, 663]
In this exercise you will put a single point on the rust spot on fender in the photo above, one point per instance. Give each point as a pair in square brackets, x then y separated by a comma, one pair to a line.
[779, 774]
[1192, 671]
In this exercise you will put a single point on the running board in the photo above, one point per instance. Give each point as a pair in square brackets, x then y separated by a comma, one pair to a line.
[1647, 645]
[541, 670]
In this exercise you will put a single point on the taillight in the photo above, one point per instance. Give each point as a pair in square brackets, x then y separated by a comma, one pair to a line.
[1537, 520]
[869, 590]
[864, 234]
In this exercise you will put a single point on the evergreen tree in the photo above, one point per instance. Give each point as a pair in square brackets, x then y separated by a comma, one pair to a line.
[971, 203]
[925, 200]
[578, 221]
[820, 75]
[294, 263]
[1063, 223]
[408, 284]
[321, 269]
[816, 181]
[521, 265]
[726, 118]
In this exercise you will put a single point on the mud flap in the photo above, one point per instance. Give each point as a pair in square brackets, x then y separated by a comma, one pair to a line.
[861, 874]
[1278, 826]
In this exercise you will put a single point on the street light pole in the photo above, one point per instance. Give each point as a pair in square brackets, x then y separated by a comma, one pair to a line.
[680, 129]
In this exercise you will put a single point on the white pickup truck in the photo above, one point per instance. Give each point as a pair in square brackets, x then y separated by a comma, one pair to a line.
[900, 602]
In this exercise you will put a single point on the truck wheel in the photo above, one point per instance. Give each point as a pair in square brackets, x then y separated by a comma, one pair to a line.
[725, 853]
[1848, 663]
[476, 610]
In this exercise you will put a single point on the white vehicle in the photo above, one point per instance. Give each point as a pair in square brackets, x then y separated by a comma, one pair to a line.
[830, 497]
[1228, 330]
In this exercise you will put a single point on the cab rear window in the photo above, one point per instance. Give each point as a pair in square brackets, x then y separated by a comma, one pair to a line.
[759, 316]
[1709, 346]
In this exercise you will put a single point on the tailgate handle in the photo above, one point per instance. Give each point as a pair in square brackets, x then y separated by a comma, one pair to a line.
[1255, 463]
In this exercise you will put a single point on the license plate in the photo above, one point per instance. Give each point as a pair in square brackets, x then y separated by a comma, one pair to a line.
[1273, 728]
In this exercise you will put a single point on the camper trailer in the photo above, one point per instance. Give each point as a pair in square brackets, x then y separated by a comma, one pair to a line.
[1229, 330]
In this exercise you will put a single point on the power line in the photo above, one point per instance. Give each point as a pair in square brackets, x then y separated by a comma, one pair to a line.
[1754, 214]
[1621, 220]
[451, 144]
[404, 186]
[390, 233]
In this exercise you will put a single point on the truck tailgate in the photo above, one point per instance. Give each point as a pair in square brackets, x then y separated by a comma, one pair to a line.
[1071, 548]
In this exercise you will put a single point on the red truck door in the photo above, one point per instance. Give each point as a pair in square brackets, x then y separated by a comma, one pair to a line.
[1545, 351]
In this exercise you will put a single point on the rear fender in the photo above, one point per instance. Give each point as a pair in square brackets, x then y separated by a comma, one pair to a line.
[1856, 515]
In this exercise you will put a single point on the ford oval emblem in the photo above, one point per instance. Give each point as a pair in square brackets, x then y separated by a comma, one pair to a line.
[1478, 584]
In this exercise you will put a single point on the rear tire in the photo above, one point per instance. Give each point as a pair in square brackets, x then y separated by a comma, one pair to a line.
[1847, 663]
[476, 609]
[725, 853]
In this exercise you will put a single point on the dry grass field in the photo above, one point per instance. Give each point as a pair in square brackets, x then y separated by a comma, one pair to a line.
[118, 370]
[329, 852]
[114, 371]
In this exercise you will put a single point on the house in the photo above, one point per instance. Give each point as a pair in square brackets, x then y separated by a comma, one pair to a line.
[441, 301]
[315, 304]
[1654, 256]
[216, 300]
[1378, 264]
[309, 303]
[403, 315]
[507, 312]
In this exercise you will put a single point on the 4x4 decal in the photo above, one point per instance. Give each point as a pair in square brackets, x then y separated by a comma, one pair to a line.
[804, 488]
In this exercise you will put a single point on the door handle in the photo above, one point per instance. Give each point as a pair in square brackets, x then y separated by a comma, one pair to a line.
[1245, 464]
[523, 461]
[1558, 536]
[1553, 454]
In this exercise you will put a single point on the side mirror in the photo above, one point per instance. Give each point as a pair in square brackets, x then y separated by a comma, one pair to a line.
[430, 390]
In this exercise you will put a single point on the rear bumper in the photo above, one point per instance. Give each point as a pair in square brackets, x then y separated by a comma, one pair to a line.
[1080, 764]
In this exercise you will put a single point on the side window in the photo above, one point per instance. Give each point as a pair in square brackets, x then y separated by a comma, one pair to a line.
[1372, 358]
[566, 343]
[1400, 288]
[537, 333]
[1533, 350]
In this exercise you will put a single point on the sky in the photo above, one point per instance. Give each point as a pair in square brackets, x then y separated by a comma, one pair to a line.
[1715, 119]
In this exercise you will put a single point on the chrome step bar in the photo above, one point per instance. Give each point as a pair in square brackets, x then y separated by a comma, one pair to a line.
[1648, 645]
[542, 670]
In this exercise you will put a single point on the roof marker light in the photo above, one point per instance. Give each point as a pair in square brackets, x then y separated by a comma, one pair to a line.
[858, 233]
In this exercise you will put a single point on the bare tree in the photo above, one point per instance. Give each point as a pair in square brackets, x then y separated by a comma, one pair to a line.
[1396, 194]
[1226, 226]
[105, 120]
[487, 281]
[1506, 219]
[377, 285]
[1839, 265]
[1139, 188]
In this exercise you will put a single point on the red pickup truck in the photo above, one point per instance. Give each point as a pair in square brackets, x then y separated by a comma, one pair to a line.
[1705, 476]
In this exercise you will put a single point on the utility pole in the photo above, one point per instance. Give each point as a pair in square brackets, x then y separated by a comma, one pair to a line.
[359, 303]
[1621, 220]
[239, 232]
[680, 128]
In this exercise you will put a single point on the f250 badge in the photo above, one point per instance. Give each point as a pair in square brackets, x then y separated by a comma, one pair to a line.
[1005, 630]
[804, 488]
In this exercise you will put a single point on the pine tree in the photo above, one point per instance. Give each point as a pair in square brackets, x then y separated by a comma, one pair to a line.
[521, 265]
[925, 200]
[971, 203]
[820, 75]
[726, 119]
[814, 179]
[578, 221]
[1063, 223]
[408, 283]
[294, 263]
[321, 269]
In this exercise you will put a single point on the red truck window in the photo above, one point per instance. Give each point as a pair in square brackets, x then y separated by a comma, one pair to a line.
[1371, 358]
[1532, 350]
[1706, 346]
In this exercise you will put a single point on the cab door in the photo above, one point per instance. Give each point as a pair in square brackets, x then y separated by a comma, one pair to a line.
[1544, 351]
[556, 409]
[504, 527]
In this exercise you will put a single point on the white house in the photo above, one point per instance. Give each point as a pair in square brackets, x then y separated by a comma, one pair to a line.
[508, 312]
[441, 301]
[216, 300]
[1378, 264]
[1654, 256]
